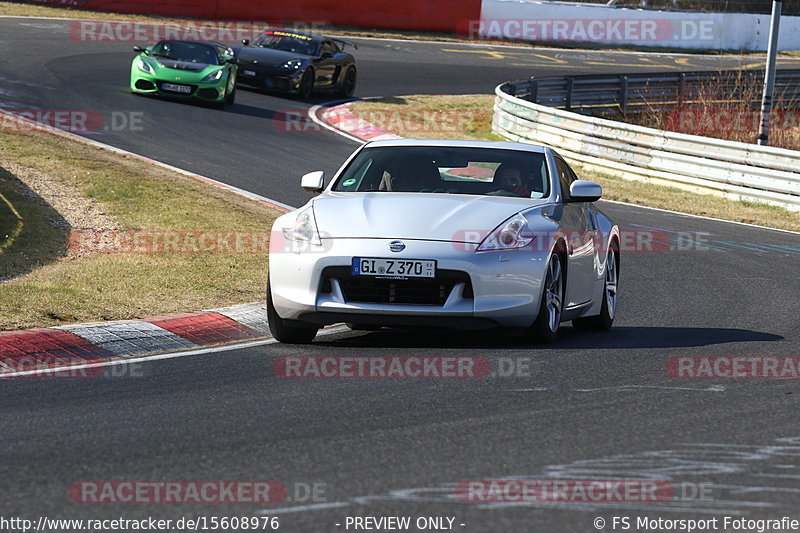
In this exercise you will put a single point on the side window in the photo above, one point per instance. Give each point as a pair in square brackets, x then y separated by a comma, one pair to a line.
[328, 46]
[565, 177]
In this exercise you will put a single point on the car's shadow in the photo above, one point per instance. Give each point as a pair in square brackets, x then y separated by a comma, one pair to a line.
[568, 338]
[316, 99]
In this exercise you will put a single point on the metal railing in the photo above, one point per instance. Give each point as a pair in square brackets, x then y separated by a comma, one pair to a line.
[609, 94]
[736, 170]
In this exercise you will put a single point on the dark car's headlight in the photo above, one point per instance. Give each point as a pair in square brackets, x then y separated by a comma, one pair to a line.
[217, 74]
[292, 65]
[513, 233]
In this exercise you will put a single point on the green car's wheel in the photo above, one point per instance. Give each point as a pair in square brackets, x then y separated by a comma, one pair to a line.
[307, 84]
[231, 99]
[226, 100]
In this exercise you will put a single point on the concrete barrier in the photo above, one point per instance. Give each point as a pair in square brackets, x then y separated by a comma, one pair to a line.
[543, 21]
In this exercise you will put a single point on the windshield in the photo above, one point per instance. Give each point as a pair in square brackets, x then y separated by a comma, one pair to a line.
[454, 170]
[191, 52]
[288, 42]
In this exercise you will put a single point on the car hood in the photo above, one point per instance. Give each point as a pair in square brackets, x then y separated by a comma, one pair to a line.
[268, 57]
[182, 65]
[429, 216]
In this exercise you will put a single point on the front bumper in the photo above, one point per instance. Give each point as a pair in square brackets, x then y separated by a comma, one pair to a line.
[471, 290]
[269, 80]
[213, 91]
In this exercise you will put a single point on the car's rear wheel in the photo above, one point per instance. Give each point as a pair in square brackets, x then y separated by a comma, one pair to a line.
[608, 309]
[288, 331]
[307, 84]
[545, 328]
[349, 83]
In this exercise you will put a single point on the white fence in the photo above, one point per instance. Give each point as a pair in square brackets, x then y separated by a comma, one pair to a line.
[545, 21]
[738, 171]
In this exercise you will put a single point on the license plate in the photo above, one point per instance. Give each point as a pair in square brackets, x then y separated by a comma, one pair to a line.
[176, 88]
[248, 73]
[406, 268]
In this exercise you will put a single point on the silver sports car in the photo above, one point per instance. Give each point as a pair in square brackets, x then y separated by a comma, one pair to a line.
[456, 234]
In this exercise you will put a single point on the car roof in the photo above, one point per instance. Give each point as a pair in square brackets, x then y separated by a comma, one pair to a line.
[498, 145]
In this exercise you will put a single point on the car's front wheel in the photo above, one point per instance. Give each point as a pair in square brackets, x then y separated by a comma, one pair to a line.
[608, 309]
[288, 331]
[545, 328]
[231, 98]
[307, 84]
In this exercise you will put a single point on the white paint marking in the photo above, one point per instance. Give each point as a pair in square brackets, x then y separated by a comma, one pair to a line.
[301, 508]
[713, 388]
[703, 217]
[236, 190]
[312, 114]
[171, 355]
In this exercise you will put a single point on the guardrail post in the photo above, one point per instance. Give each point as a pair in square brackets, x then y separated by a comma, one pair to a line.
[533, 90]
[623, 96]
[681, 89]
[570, 85]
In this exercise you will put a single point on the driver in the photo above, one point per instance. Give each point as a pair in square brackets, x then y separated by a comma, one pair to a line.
[510, 177]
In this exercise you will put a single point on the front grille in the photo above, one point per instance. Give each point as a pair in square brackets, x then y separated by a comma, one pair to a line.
[420, 291]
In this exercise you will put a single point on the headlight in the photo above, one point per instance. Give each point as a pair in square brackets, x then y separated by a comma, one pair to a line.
[304, 229]
[513, 233]
[143, 66]
[217, 74]
[292, 65]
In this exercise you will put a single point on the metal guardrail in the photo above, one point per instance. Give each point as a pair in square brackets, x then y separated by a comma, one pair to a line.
[736, 170]
[608, 94]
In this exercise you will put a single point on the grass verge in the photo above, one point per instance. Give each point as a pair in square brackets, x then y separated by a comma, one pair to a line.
[52, 285]
[470, 117]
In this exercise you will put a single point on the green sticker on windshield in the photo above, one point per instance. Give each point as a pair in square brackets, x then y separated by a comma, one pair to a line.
[347, 183]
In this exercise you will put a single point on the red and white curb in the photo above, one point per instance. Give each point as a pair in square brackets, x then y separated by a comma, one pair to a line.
[342, 119]
[31, 351]
[46, 348]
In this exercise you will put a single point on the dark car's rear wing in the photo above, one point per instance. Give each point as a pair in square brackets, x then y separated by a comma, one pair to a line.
[343, 42]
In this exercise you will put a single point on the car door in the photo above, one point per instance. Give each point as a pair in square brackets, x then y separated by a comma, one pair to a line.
[581, 248]
[327, 64]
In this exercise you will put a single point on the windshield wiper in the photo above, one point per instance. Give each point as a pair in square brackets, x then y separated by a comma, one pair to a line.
[165, 56]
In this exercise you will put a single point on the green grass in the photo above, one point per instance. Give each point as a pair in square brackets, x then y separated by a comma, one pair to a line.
[54, 287]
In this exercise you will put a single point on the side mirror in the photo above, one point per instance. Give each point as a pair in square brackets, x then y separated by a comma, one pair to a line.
[245, 41]
[585, 191]
[139, 49]
[313, 181]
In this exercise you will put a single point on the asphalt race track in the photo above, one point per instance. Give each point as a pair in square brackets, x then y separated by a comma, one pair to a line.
[592, 406]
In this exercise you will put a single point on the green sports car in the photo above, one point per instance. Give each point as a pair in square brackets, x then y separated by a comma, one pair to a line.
[199, 70]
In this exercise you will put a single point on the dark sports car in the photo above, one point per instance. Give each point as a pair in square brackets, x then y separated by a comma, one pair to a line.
[296, 62]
